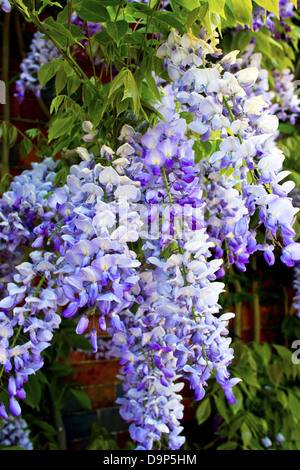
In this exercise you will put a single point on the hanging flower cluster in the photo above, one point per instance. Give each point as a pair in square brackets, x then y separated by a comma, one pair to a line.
[138, 239]
[247, 153]
[15, 432]
[283, 99]
[20, 209]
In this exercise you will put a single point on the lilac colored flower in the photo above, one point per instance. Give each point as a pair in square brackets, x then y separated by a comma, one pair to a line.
[15, 432]
[82, 324]
[14, 407]
[6, 6]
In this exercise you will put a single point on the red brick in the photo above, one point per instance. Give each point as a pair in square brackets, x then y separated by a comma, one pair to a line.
[101, 395]
[95, 372]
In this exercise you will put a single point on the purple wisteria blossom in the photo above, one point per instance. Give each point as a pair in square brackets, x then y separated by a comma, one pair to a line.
[15, 432]
[21, 208]
[246, 154]
[140, 241]
[6, 6]
[175, 330]
[283, 98]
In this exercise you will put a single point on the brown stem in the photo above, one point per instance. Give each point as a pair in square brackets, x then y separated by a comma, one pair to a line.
[61, 433]
[256, 306]
[19, 34]
[5, 78]
[237, 328]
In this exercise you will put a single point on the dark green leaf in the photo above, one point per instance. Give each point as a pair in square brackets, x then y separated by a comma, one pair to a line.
[82, 397]
[117, 30]
[245, 434]
[33, 392]
[48, 70]
[203, 411]
[25, 147]
[228, 446]
[93, 11]
[60, 127]
[61, 369]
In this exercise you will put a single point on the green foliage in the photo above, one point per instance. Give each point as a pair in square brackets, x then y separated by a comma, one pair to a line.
[100, 439]
[267, 400]
[127, 44]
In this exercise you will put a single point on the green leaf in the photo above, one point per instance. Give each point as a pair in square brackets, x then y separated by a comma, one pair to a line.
[49, 3]
[61, 33]
[12, 448]
[198, 12]
[245, 434]
[294, 404]
[286, 128]
[79, 341]
[61, 369]
[269, 5]
[102, 37]
[189, 4]
[241, 40]
[12, 136]
[153, 87]
[32, 133]
[58, 394]
[228, 446]
[48, 70]
[59, 127]
[217, 6]
[203, 411]
[33, 392]
[56, 103]
[9, 133]
[247, 376]
[169, 19]
[60, 80]
[282, 351]
[222, 406]
[4, 186]
[25, 147]
[238, 400]
[275, 372]
[117, 30]
[45, 426]
[234, 427]
[92, 10]
[242, 11]
[82, 397]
